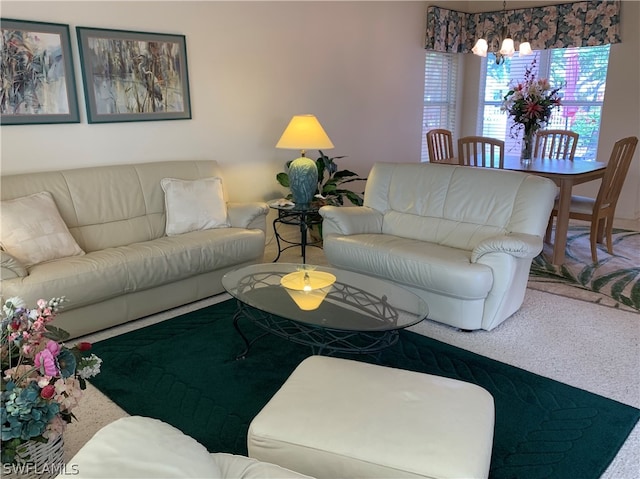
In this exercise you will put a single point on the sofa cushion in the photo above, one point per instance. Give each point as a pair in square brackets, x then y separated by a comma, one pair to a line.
[33, 232]
[105, 274]
[193, 205]
[441, 269]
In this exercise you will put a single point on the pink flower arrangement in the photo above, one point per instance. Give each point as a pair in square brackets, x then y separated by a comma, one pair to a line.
[531, 102]
[42, 379]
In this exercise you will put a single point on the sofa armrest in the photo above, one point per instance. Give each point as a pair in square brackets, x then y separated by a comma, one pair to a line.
[350, 220]
[519, 245]
[248, 215]
[10, 267]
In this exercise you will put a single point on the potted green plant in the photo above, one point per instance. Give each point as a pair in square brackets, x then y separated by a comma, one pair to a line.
[330, 182]
[330, 189]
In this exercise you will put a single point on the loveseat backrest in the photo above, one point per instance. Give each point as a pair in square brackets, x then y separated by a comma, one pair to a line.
[109, 206]
[457, 206]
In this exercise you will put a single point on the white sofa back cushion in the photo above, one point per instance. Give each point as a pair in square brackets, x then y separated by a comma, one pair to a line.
[434, 203]
[32, 230]
[96, 217]
[194, 205]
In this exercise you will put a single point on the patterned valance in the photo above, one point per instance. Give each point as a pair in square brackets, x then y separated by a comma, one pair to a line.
[578, 24]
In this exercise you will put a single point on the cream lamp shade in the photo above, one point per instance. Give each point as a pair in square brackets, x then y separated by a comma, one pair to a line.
[308, 288]
[302, 133]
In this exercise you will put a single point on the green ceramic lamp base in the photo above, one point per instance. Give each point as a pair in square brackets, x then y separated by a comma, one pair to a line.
[303, 180]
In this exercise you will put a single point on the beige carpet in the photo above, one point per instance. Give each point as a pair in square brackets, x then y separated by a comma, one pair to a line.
[589, 346]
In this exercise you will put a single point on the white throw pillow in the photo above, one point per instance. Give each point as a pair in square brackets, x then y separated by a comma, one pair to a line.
[193, 205]
[33, 231]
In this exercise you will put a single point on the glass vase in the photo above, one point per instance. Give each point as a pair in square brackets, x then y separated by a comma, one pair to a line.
[526, 155]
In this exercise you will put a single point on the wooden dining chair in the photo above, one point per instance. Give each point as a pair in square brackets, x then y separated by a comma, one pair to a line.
[481, 151]
[600, 211]
[555, 144]
[439, 145]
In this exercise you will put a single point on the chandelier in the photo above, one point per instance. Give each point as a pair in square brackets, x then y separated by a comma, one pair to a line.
[501, 40]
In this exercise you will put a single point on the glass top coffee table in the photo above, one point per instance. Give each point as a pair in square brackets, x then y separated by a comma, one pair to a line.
[330, 310]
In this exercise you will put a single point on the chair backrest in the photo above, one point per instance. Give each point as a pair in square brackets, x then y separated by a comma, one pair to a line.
[555, 144]
[439, 145]
[481, 151]
[616, 173]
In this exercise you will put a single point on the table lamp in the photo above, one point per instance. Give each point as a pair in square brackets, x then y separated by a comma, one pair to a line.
[304, 132]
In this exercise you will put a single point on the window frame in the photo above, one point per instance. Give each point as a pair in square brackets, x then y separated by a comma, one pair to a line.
[587, 146]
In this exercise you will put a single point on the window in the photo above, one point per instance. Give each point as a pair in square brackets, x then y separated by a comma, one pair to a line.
[440, 85]
[582, 72]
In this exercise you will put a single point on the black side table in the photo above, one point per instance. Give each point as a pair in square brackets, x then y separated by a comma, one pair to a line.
[304, 217]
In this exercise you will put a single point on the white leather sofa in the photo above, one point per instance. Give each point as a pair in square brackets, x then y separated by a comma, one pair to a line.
[145, 448]
[462, 238]
[123, 265]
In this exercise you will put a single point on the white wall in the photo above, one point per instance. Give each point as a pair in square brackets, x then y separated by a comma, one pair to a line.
[358, 66]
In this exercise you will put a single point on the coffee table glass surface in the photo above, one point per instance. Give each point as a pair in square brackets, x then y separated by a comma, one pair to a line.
[329, 309]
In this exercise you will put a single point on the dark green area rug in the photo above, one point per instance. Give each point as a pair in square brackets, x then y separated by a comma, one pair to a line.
[183, 372]
[613, 281]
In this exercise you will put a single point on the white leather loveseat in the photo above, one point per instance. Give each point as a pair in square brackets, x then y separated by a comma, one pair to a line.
[463, 238]
[103, 242]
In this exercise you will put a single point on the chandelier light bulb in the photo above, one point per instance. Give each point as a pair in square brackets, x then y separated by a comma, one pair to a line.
[480, 48]
[508, 48]
[525, 49]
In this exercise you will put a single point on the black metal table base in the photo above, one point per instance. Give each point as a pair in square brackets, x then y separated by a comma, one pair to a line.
[302, 218]
[326, 341]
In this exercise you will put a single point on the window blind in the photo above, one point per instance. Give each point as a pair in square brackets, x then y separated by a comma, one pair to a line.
[440, 86]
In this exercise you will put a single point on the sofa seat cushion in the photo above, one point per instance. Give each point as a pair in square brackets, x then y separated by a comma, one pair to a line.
[441, 269]
[104, 274]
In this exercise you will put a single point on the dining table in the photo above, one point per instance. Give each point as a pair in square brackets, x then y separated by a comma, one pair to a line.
[565, 174]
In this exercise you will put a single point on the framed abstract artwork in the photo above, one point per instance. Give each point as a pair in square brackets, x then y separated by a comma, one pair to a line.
[36, 74]
[134, 76]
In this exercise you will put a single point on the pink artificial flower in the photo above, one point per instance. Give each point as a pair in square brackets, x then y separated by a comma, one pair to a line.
[68, 393]
[27, 350]
[48, 391]
[41, 303]
[45, 359]
[38, 325]
[54, 347]
[533, 110]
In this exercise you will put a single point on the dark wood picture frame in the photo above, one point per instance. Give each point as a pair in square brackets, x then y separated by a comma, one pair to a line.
[38, 79]
[134, 76]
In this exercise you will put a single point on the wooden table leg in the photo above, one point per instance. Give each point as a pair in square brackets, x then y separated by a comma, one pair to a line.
[562, 222]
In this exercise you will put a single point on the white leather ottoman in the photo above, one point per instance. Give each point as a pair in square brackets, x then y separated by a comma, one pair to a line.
[337, 418]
